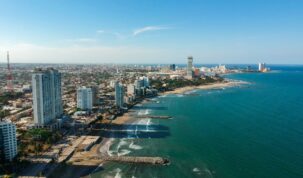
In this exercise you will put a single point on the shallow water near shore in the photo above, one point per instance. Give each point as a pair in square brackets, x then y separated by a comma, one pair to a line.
[249, 131]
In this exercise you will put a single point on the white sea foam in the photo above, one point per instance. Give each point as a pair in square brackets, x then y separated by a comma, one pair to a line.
[163, 96]
[204, 171]
[118, 173]
[124, 152]
[148, 123]
[122, 142]
[104, 149]
[143, 112]
[142, 122]
[190, 92]
[134, 147]
[196, 170]
[110, 153]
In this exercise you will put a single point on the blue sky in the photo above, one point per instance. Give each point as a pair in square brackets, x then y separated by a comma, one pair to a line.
[152, 31]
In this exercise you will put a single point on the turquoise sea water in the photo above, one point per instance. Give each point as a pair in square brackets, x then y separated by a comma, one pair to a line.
[251, 131]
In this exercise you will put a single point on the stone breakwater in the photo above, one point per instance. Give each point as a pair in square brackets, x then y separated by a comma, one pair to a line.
[142, 160]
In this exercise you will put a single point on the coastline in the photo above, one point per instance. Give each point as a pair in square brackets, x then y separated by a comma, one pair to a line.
[225, 83]
[127, 117]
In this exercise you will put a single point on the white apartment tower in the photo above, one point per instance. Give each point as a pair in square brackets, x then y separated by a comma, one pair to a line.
[131, 90]
[119, 94]
[8, 140]
[47, 96]
[145, 81]
[84, 98]
[261, 66]
[189, 70]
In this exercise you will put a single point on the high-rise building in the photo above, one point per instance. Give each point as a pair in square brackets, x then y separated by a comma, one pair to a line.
[95, 94]
[8, 141]
[131, 90]
[189, 70]
[197, 72]
[84, 98]
[119, 94]
[145, 81]
[261, 67]
[47, 96]
[139, 83]
[112, 83]
[172, 67]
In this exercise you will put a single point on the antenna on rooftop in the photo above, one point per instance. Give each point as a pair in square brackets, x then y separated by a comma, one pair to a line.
[9, 78]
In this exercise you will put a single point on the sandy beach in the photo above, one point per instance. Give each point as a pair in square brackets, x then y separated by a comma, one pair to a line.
[205, 87]
[126, 117]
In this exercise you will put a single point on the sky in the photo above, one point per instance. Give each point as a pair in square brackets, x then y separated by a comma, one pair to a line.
[152, 31]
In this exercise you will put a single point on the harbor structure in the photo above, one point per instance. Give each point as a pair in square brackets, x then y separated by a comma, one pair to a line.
[84, 98]
[8, 141]
[47, 96]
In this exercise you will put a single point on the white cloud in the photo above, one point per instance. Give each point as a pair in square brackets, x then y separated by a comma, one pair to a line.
[149, 28]
[116, 34]
[100, 31]
[82, 40]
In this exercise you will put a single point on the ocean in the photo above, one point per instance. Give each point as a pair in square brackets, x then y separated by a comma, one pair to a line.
[249, 131]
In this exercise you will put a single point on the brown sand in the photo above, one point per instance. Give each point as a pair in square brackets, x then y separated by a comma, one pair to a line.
[208, 86]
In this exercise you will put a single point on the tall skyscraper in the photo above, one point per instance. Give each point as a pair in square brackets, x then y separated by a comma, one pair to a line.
[95, 98]
[172, 67]
[119, 94]
[8, 141]
[145, 81]
[84, 98]
[47, 96]
[189, 69]
[261, 67]
[139, 83]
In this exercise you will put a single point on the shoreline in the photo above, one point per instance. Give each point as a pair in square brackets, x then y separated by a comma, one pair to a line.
[126, 118]
[216, 85]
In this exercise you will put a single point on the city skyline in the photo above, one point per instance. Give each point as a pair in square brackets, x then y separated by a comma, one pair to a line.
[152, 31]
[151, 88]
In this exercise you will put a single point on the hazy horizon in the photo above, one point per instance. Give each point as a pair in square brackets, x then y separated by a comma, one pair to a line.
[108, 63]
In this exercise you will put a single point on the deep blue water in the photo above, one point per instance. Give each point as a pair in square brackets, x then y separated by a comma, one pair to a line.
[251, 131]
